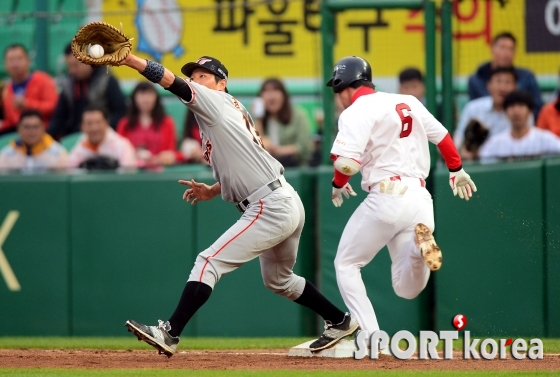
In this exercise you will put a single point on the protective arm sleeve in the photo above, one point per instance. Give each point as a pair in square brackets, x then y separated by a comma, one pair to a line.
[181, 89]
[344, 168]
[450, 154]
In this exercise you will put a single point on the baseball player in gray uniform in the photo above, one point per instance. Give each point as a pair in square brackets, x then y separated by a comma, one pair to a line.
[246, 174]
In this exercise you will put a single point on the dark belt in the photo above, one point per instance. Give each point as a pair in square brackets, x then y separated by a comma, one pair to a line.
[257, 195]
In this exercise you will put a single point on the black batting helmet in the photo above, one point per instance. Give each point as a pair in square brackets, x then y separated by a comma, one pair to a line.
[348, 70]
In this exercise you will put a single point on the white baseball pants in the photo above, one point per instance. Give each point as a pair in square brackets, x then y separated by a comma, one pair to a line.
[381, 220]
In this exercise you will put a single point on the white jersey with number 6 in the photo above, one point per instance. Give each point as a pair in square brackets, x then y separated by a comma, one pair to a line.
[388, 134]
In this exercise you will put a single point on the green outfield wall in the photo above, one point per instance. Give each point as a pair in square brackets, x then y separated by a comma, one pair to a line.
[88, 252]
[494, 259]
[552, 247]
[37, 251]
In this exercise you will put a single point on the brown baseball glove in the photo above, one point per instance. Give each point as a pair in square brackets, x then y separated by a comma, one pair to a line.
[475, 135]
[117, 46]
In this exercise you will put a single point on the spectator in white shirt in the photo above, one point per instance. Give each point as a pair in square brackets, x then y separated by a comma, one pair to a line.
[488, 110]
[100, 147]
[34, 150]
[522, 140]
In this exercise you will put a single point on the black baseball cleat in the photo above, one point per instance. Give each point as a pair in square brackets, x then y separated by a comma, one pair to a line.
[334, 333]
[156, 336]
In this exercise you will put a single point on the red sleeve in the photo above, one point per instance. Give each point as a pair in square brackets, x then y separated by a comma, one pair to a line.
[543, 117]
[43, 96]
[121, 126]
[180, 157]
[169, 139]
[450, 154]
[339, 179]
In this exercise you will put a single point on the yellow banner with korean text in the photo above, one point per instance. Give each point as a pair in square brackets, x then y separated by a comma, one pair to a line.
[281, 38]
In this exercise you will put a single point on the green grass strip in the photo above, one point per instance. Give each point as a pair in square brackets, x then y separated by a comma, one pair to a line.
[263, 373]
[551, 345]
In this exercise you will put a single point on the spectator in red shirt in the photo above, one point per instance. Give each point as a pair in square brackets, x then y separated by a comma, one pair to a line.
[25, 89]
[191, 146]
[549, 117]
[148, 128]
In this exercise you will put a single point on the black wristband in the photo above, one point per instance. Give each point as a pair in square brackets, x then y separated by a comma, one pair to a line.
[335, 186]
[456, 169]
[153, 72]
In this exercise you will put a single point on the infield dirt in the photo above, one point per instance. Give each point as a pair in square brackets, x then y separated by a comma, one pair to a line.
[246, 360]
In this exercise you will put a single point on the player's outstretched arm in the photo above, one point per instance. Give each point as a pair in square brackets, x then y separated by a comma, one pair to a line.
[200, 191]
[140, 65]
[158, 74]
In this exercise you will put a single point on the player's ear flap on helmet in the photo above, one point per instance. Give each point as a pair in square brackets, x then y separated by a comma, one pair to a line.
[347, 70]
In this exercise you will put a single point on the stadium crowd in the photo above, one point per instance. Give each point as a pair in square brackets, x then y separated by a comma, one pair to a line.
[504, 119]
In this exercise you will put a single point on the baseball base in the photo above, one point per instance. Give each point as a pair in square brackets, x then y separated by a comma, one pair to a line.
[343, 349]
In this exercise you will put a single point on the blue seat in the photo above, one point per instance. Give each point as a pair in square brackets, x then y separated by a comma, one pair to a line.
[69, 141]
[7, 139]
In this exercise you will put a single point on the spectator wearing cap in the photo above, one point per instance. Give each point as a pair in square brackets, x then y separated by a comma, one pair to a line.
[25, 89]
[521, 139]
[411, 82]
[100, 141]
[148, 127]
[503, 53]
[488, 110]
[285, 128]
[549, 116]
[83, 86]
[34, 150]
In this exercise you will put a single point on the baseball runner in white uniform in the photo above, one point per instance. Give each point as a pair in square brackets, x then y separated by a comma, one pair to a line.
[245, 173]
[385, 137]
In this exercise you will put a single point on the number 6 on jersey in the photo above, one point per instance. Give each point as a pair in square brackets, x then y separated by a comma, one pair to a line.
[406, 120]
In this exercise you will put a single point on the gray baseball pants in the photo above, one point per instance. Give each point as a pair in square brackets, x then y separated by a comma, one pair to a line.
[269, 229]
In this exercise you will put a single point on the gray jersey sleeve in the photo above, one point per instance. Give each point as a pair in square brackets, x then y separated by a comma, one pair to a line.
[207, 104]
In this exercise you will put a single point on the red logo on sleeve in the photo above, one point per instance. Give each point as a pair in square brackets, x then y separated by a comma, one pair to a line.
[207, 151]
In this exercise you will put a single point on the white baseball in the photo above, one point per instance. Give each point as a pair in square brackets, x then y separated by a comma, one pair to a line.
[96, 51]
